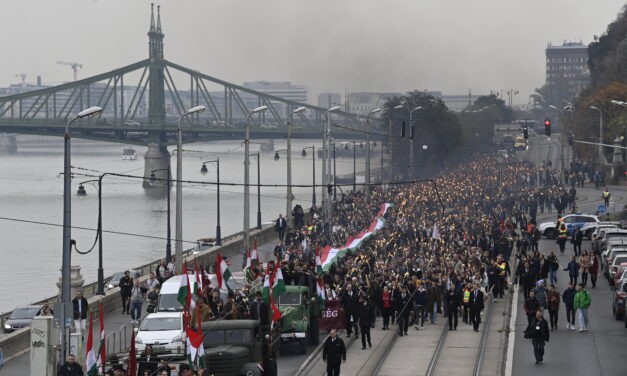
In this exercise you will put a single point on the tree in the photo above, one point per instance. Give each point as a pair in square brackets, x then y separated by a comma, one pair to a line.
[478, 120]
[435, 126]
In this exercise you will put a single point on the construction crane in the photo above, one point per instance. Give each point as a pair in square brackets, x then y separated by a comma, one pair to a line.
[73, 65]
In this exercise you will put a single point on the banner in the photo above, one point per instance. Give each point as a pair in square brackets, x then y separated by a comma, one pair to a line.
[329, 255]
[332, 316]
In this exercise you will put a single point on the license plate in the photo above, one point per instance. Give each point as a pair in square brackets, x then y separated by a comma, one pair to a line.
[158, 348]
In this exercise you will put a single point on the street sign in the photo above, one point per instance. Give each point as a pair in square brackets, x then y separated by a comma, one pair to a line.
[602, 209]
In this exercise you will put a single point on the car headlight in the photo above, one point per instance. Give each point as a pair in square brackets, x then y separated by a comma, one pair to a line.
[178, 338]
[110, 286]
[7, 326]
[138, 340]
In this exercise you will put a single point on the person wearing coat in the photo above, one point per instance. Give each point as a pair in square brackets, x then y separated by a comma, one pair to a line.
[541, 293]
[367, 318]
[333, 353]
[434, 301]
[452, 304]
[568, 297]
[475, 305]
[553, 304]
[577, 239]
[80, 307]
[402, 309]
[584, 266]
[593, 269]
[70, 368]
[280, 226]
[573, 270]
[539, 336]
[349, 302]
[531, 306]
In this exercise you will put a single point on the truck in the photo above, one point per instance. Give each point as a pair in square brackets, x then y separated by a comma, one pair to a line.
[300, 311]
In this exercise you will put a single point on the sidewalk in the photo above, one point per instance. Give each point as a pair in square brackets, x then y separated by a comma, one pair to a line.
[115, 321]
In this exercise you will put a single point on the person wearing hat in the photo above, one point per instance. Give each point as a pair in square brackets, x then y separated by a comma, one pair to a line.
[118, 370]
[366, 317]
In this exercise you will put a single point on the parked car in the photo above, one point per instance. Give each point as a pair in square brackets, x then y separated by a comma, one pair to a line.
[612, 237]
[164, 331]
[618, 305]
[578, 220]
[613, 266]
[610, 254]
[590, 229]
[21, 317]
[115, 280]
[621, 274]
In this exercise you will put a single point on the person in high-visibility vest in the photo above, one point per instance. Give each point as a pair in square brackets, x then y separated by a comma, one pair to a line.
[503, 269]
[606, 197]
[466, 302]
[562, 237]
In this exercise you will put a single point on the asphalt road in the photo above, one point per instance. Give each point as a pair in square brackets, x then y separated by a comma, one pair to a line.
[601, 351]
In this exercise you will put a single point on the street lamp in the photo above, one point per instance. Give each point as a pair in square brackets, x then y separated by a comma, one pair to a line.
[313, 171]
[289, 195]
[153, 181]
[619, 103]
[65, 297]
[376, 110]
[179, 186]
[600, 135]
[562, 142]
[203, 171]
[326, 161]
[247, 178]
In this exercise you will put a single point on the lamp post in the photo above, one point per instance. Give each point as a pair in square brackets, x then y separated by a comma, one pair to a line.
[334, 174]
[602, 158]
[289, 198]
[179, 186]
[562, 142]
[65, 302]
[203, 171]
[376, 110]
[313, 171]
[326, 167]
[247, 178]
[153, 181]
[258, 190]
[354, 168]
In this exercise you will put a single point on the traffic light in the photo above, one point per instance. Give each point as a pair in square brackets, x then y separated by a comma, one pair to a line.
[526, 132]
[411, 132]
[547, 127]
[403, 128]
[571, 141]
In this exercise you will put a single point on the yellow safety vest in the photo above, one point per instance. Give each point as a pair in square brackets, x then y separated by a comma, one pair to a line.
[466, 296]
[606, 194]
[563, 233]
[501, 269]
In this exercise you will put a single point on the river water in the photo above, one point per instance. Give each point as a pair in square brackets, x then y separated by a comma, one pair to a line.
[31, 189]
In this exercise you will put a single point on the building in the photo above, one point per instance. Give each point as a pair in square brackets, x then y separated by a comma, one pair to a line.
[328, 100]
[567, 71]
[362, 103]
[283, 89]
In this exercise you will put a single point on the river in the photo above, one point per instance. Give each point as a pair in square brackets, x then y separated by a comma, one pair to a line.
[31, 188]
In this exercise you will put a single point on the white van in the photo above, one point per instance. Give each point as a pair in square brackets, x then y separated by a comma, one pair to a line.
[168, 295]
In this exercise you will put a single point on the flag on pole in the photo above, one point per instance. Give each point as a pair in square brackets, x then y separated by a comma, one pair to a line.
[199, 285]
[318, 261]
[278, 284]
[322, 293]
[195, 348]
[183, 287]
[223, 273]
[132, 357]
[91, 366]
[435, 234]
[254, 257]
[102, 354]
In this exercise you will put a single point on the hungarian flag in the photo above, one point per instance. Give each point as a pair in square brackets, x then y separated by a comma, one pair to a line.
[91, 366]
[102, 354]
[318, 261]
[199, 285]
[223, 274]
[183, 287]
[132, 357]
[322, 293]
[278, 285]
[195, 348]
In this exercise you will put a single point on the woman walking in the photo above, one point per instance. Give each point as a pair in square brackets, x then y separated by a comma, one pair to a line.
[553, 303]
[584, 266]
[573, 270]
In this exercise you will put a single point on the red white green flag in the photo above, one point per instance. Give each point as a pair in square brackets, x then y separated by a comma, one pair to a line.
[102, 354]
[223, 273]
[91, 365]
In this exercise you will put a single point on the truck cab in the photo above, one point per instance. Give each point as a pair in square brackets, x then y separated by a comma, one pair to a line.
[300, 311]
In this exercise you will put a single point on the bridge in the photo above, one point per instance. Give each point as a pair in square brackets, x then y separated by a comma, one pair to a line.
[145, 110]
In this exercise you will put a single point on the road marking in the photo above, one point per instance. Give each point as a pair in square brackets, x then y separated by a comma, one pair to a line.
[509, 360]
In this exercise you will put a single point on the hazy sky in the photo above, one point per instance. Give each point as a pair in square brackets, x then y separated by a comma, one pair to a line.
[327, 45]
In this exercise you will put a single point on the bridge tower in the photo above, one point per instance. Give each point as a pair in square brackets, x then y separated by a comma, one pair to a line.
[156, 92]
[157, 157]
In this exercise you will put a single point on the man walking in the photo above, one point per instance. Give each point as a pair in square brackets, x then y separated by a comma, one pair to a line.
[476, 306]
[539, 336]
[80, 306]
[366, 320]
[568, 297]
[281, 226]
[581, 305]
[136, 298]
[349, 302]
[401, 307]
[70, 368]
[126, 285]
[333, 353]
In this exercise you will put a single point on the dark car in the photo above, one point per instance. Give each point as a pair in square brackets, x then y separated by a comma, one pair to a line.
[21, 317]
[115, 280]
[618, 307]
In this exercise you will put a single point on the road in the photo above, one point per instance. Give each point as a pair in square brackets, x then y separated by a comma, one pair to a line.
[116, 322]
[600, 351]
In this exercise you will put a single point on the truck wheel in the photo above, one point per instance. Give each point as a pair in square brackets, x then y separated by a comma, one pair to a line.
[302, 345]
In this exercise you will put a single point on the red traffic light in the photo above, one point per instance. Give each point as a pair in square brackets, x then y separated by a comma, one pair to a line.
[547, 122]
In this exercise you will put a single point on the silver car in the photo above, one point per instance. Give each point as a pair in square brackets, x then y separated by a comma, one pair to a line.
[21, 317]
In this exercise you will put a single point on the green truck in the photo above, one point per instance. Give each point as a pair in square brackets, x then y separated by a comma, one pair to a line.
[240, 347]
[300, 311]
